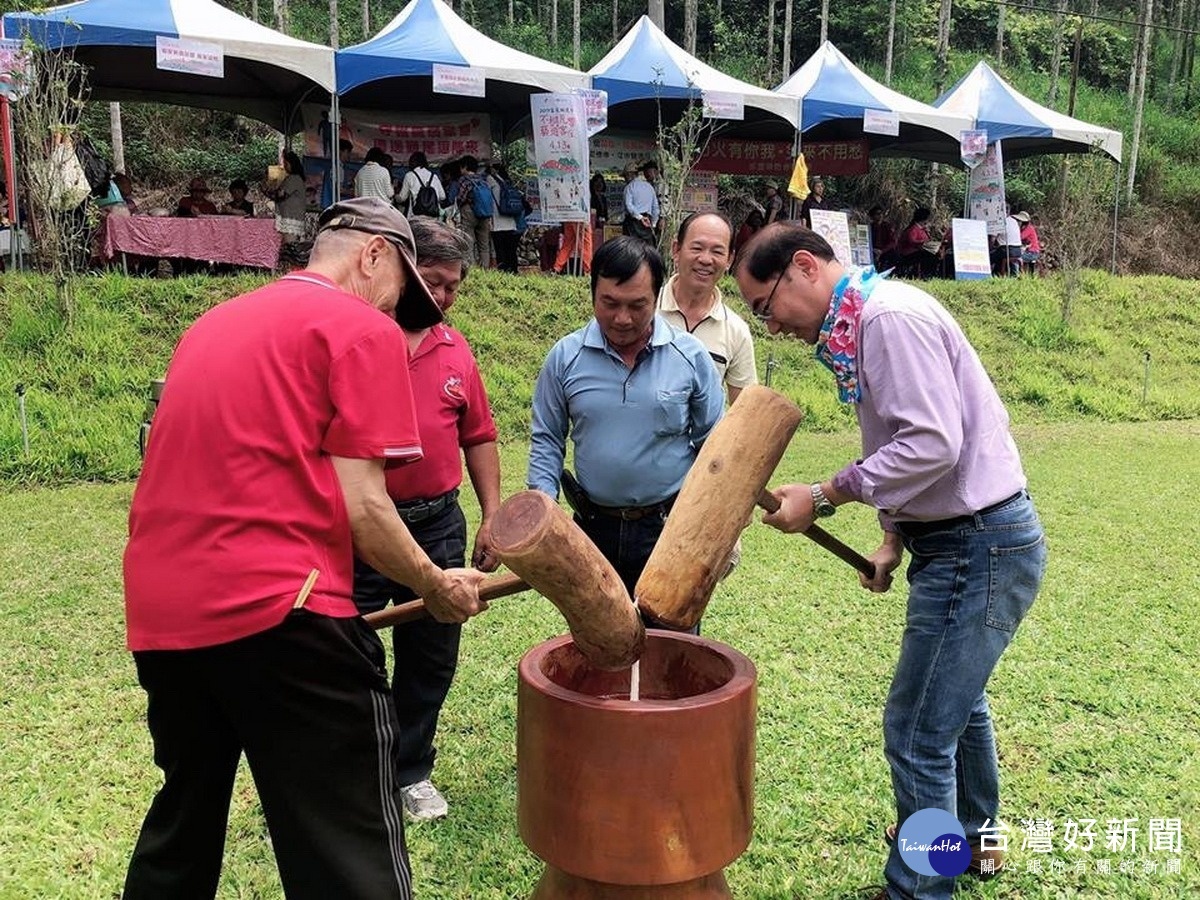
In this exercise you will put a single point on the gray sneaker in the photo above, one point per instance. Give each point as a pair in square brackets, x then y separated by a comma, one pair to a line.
[422, 801]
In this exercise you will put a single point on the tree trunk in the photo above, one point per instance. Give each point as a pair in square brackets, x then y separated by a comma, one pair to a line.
[771, 40]
[118, 137]
[824, 19]
[510, 13]
[333, 24]
[554, 23]
[616, 17]
[1189, 56]
[1140, 101]
[254, 10]
[999, 35]
[785, 53]
[943, 49]
[690, 12]
[281, 15]
[1056, 56]
[366, 19]
[891, 43]
[575, 34]
[658, 13]
[1133, 62]
[1178, 41]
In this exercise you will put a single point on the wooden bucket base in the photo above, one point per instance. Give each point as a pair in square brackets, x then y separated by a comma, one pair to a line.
[556, 884]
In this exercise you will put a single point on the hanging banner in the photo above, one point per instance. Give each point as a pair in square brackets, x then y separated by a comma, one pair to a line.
[836, 157]
[835, 228]
[440, 136]
[723, 105]
[595, 104]
[560, 144]
[985, 191]
[613, 151]
[731, 156]
[971, 258]
[193, 57]
[14, 70]
[972, 147]
[881, 121]
[465, 81]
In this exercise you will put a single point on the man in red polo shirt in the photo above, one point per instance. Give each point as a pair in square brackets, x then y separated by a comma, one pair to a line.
[264, 474]
[452, 413]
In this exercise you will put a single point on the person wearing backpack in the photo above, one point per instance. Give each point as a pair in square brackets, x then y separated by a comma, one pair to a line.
[476, 206]
[505, 236]
[421, 191]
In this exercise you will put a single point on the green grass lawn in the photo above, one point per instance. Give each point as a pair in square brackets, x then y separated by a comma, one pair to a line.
[1096, 700]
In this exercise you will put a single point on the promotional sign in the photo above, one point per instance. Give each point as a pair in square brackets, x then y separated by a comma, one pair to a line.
[985, 191]
[836, 157]
[15, 70]
[835, 228]
[881, 121]
[723, 105]
[972, 147]
[595, 104]
[464, 81]
[613, 151]
[440, 136]
[731, 156]
[560, 145]
[860, 245]
[971, 258]
[193, 57]
[700, 193]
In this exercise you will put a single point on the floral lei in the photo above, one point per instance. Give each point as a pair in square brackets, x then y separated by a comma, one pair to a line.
[837, 344]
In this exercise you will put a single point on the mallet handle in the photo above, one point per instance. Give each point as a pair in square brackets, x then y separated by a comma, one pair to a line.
[489, 589]
[819, 535]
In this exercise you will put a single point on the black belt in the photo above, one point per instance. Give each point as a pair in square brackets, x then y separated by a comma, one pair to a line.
[414, 511]
[633, 513]
[920, 529]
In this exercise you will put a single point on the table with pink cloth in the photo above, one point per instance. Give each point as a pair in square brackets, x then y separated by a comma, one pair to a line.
[226, 239]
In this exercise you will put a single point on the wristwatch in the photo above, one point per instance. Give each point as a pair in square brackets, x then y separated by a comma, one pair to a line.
[822, 508]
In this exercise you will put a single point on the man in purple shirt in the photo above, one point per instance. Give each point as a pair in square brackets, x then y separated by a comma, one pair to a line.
[940, 466]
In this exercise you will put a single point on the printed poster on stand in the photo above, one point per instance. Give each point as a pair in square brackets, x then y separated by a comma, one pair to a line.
[560, 146]
[834, 226]
[971, 259]
[985, 191]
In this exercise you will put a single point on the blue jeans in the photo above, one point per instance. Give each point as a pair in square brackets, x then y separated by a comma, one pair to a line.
[971, 582]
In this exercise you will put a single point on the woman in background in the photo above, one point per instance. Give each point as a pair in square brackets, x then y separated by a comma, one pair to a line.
[290, 199]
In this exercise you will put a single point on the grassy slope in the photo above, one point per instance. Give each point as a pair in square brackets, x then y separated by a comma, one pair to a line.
[1095, 715]
[87, 380]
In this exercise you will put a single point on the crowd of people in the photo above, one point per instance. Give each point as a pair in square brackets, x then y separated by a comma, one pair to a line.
[261, 530]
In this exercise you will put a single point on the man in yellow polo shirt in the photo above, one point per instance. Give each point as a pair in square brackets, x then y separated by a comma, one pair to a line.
[691, 300]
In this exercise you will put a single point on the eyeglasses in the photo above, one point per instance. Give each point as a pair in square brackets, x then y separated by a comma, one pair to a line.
[763, 313]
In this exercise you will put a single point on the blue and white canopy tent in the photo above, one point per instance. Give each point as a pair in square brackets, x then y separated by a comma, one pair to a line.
[646, 73]
[1023, 127]
[266, 74]
[394, 69]
[833, 94]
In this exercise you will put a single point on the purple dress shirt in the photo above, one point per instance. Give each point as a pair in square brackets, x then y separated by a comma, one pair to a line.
[935, 435]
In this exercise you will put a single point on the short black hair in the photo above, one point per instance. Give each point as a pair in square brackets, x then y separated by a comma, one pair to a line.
[770, 251]
[920, 214]
[692, 217]
[470, 163]
[417, 160]
[622, 258]
[375, 155]
[292, 164]
[238, 185]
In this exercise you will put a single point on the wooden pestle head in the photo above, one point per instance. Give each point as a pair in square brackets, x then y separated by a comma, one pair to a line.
[536, 539]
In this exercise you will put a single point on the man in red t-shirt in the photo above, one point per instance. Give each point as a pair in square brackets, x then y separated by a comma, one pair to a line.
[452, 414]
[264, 474]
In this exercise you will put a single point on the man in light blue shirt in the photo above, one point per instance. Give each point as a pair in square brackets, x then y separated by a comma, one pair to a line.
[638, 398]
[641, 206]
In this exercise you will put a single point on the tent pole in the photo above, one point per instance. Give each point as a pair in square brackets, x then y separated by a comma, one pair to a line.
[1116, 206]
[335, 148]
